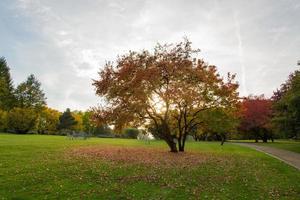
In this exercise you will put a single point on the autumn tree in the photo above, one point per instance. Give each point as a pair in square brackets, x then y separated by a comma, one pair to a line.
[3, 120]
[30, 95]
[79, 123]
[21, 120]
[47, 121]
[7, 98]
[170, 84]
[256, 115]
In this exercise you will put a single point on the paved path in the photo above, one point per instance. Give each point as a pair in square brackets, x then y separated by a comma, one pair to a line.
[288, 157]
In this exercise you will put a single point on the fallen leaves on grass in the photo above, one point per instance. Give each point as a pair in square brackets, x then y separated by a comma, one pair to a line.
[146, 156]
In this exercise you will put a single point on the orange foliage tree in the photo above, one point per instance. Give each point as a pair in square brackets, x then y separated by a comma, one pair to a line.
[168, 87]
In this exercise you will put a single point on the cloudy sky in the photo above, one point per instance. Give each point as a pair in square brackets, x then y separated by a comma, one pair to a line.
[65, 42]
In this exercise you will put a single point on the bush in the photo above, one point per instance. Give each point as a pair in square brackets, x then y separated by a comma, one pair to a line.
[130, 133]
[21, 120]
[3, 120]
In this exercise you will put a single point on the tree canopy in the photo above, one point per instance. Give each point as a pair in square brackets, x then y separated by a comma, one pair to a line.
[169, 87]
[256, 114]
[47, 121]
[218, 123]
[21, 120]
[30, 95]
[66, 120]
[287, 106]
[7, 98]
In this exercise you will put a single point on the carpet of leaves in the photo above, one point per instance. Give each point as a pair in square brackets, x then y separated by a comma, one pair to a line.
[145, 156]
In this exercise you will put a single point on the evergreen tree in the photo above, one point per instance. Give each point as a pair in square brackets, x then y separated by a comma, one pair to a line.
[30, 95]
[7, 98]
[66, 120]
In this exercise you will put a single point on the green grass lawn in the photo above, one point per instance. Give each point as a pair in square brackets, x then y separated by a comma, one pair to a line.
[284, 144]
[53, 167]
[289, 145]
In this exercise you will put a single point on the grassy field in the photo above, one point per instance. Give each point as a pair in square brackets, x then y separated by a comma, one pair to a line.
[289, 145]
[53, 167]
[284, 144]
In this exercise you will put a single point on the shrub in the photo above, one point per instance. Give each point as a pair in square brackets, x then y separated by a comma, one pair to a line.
[130, 133]
[21, 120]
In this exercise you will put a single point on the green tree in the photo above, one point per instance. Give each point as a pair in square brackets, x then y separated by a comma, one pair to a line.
[66, 121]
[287, 107]
[131, 133]
[91, 127]
[86, 122]
[102, 130]
[21, 120]
[30, 95]
[7, 98]
[219, 122]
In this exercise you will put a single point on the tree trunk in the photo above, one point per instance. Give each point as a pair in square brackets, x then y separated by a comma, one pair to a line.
[172, 146]
[195, 138]
[223, 138]
[167, 136]
[180, 142]
[265, 137]
[181, 147]
[271, 137]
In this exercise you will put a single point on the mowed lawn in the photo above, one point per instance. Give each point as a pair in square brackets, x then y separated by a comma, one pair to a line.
[284, 144]
[290, 145]
[54, 167]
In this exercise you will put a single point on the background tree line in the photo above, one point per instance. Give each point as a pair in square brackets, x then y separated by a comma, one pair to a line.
[277, 117]
[261, 118]
[24, 110]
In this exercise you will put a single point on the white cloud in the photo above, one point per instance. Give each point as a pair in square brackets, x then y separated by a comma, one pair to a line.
[71, 40]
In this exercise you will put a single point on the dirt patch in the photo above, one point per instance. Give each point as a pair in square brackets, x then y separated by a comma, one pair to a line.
[146, 156]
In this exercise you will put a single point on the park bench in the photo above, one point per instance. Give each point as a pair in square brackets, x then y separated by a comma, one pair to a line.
[77, 135]
[144, 137]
